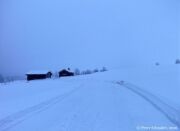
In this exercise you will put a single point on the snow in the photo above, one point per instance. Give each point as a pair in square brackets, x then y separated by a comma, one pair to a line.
[38, 72]
[126, 99]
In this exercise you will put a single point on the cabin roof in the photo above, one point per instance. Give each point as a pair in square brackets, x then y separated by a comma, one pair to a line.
[65, 70]
[37, 72]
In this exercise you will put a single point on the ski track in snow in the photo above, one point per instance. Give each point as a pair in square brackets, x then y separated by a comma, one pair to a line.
[171, 113]
[18, 117]
[167, 110]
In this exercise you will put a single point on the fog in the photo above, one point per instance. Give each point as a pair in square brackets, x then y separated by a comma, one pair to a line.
[179, 27]
[55, 34]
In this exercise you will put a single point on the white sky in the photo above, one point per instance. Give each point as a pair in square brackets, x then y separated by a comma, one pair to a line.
[53, 34]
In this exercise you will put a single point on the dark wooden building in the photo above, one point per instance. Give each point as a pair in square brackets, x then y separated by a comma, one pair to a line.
[65, 72]
[35, 75]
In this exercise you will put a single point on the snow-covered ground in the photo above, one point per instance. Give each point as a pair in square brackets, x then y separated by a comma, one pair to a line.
[127, 99]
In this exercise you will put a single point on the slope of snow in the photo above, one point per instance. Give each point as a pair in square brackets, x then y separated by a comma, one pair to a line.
[123, 99]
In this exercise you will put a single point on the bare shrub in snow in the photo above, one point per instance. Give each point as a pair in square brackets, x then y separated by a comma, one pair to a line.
[77, 71]
[83, 73]
[177, 61]
[103, 69]
[1, 79]
[86, 72]
[56, 74]
[157, 64]
[95, 70]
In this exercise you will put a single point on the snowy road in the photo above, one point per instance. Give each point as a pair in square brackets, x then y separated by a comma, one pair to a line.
[170, 112]
[14, 119]
[92, 106]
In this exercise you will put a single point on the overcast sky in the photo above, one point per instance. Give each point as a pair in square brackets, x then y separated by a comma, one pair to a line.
[53, 34]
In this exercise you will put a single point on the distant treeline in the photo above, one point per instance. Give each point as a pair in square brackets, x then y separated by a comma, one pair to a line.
[77, 71]
[5, 79]
[177, 61]
[88, 71]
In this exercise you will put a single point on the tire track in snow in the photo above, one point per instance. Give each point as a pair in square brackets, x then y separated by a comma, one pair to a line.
[12, 120]
[167, 110]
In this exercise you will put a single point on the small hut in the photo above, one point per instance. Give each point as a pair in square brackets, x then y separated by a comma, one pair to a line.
[34, 75]
[65, 72]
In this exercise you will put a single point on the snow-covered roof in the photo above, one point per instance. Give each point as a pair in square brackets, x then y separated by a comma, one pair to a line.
[37, 72]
